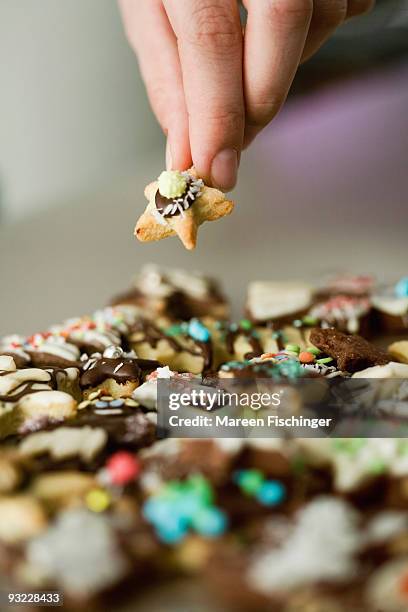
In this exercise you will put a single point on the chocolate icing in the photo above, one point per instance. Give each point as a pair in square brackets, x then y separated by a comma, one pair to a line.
[130, 427]
[183, 202]
[253, 341]
[152, 335]
[26, 388]
[121, 369]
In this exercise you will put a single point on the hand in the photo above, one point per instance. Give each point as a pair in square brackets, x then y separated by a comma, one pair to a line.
[213, 86]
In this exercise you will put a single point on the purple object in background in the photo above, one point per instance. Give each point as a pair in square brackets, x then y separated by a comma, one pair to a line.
[351, 137]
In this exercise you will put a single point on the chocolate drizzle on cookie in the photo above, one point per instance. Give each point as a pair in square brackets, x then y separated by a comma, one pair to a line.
[171, 207]
[120, 369]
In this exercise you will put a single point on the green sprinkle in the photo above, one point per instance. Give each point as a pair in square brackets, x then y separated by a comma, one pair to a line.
[313, 350]
[173, 330]
[324, 360]
[201, 487]
[233, 327]
[378, 466]
[250, 481]
[350, 446]
[403, 448]
[297, 323]
[309, 320]
[292, 348]
[245, 324]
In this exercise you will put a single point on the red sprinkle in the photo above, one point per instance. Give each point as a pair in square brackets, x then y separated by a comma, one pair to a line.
[306, 357]
[122, 467]
[404, 585]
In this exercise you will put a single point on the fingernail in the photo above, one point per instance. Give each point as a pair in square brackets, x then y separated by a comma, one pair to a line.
[169, 160]
[224, 169]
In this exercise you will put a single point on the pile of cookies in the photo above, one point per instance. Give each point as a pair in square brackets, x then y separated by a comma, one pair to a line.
[94, 505]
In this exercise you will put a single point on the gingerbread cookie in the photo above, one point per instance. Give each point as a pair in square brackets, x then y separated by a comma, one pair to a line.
[352, 353]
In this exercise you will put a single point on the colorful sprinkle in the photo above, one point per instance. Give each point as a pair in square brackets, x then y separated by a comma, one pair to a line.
[198, 331]
[184, 505]
[351, 445]
[292, 348]
[306, 357]
[314, 350]
[309, 320]
[245, 324]
[97, 500]
[122, 468]
[173, 330]
[116, 403]
[401, 288]
[324, 360]
[249, 481]
[268, 355]
[403, 585]
[271, 493]
[210, 522]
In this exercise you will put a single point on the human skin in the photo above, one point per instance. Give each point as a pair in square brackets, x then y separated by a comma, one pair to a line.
[214, 85]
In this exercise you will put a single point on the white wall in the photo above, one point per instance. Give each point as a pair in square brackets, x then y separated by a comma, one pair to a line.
[73, 112]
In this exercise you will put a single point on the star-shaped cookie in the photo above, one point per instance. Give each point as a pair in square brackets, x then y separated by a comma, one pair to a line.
[180, 215]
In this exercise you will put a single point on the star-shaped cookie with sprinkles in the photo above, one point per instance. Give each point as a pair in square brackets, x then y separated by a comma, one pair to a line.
[178, 203]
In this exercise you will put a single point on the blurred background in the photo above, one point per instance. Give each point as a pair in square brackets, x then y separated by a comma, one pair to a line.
[324, 188]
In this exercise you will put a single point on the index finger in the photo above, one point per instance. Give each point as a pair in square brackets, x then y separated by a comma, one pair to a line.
[209, 37]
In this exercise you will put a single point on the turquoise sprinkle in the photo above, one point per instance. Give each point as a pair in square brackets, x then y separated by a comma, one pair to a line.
[271, 493]
[401, 288]
[290, 368]
[184, 505]
[198, 331]
[210, 522]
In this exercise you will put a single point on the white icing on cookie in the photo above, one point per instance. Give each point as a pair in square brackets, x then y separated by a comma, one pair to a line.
[392, 305]
[357, 460]
[14, 344]
[162, 282]
[320, 547]
[342, 309]
[390, 370]
[269, 299]
[10, 383]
